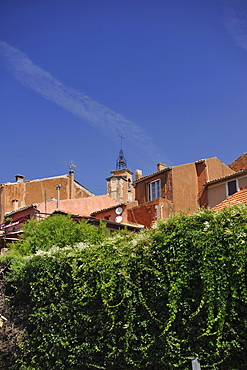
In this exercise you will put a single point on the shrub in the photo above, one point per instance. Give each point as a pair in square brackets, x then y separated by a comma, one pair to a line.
[154, 300]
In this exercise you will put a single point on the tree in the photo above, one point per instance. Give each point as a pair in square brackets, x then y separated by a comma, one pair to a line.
[56, 232]
[59, 231]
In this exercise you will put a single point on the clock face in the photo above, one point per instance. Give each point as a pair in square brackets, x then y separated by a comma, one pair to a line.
[118, 219]
[119, 210]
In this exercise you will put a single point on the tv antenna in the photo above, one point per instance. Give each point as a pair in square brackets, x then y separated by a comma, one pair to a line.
[70, 164]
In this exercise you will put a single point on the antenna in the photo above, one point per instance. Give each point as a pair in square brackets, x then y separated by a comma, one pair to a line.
[121, 161]
[70, 165]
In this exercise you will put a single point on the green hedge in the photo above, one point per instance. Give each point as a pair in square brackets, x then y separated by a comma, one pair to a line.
[152, 300]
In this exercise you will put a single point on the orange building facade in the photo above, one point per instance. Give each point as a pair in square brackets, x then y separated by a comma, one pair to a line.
[22, 193]
[174, 189]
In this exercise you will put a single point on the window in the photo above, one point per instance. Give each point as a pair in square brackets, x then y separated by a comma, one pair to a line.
[129, 185]
[154, 190]
[231, 187]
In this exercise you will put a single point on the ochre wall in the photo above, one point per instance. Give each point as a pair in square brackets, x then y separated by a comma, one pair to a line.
[217, 169]
[185, 188]
[242, 182]
[188, 182]
[2, 203]
[217, 192]
[30, 211]
[141, 188]
[207, 170]
[201, 170]
[184, 184]
[147, 213]
[37, 191]
[111, 215]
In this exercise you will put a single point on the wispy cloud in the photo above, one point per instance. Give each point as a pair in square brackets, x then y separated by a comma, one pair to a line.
[236, 20]
[101, 117]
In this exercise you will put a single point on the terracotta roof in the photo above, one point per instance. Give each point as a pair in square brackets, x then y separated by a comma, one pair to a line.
[227, 177]
[36, 180]
[20, 209]
[240, 197]
[240, 163]
[131, 225]
[81, 206]
[109, 208]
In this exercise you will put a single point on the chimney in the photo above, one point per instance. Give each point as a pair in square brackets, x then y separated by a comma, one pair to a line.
[138, 174]
[161, 166]
[14, 204]
[58, 188]
[71, 184]
[19, 178]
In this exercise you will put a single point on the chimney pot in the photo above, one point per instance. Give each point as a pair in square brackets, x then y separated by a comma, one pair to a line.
[138, 174]
[19, 178]
[14, 204]
[161, 166]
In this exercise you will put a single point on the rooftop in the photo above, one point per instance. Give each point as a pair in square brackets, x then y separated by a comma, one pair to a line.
[170, 168]
[240, 197]
[228, 177]
[81, 206]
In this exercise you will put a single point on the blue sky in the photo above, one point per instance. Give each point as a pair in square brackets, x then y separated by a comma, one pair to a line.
[168, 75]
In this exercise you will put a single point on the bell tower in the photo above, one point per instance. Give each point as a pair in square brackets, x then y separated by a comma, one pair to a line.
[121, 161]
[120, 183]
